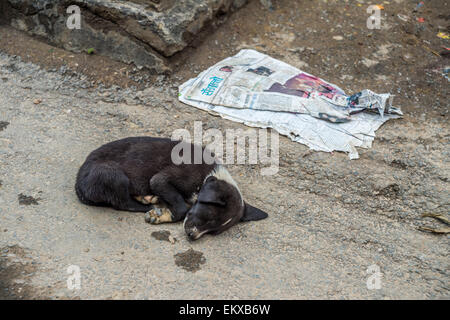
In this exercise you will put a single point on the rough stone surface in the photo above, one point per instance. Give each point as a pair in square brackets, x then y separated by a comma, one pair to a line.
[143, 32]
[330, 218]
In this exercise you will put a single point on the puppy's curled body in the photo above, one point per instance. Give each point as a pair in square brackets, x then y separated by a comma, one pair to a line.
[115, 173]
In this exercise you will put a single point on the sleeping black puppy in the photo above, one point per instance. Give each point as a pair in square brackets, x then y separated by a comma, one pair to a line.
[138, 174]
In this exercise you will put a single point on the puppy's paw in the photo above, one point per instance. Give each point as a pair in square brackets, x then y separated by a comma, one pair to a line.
[147, 199]
[152, 199]
[158, 215]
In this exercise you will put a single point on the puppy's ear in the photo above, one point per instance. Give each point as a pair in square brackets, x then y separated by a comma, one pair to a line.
[252, 213]
[210, 196]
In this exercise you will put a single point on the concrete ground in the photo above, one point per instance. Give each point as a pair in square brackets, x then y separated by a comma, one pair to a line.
[330, 218]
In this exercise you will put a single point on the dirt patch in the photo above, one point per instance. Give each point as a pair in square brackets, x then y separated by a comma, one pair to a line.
[27, 200]
[3, 125]
[301, 33]
[190, 260]
[96, 68]
[16, 270]
[407, 54]
[392, 190]
[163, 235]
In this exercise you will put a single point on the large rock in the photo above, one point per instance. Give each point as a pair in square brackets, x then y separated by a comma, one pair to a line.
[143, 32]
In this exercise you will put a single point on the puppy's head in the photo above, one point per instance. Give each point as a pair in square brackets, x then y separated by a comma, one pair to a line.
[219, 206]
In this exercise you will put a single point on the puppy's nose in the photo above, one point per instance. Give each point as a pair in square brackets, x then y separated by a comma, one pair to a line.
[191, 234]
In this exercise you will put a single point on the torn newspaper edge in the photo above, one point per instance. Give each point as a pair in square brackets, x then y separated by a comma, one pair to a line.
[260, 91]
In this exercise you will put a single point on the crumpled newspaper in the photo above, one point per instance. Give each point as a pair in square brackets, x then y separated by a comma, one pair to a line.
[260, 91]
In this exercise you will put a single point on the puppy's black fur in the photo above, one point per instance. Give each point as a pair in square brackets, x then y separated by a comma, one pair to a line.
[118, 172]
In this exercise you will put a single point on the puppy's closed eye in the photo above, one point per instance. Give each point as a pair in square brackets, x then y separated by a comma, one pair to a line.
[216, 203]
